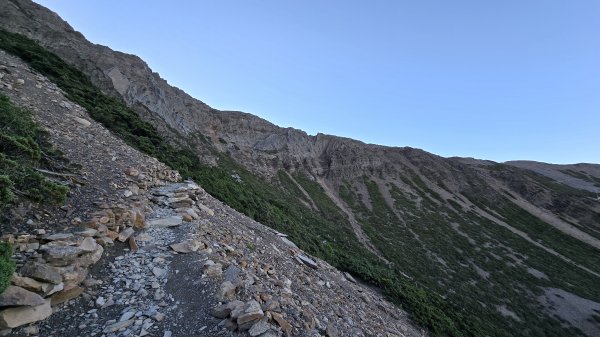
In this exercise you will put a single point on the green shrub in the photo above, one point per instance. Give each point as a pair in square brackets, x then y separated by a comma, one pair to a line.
[22, 143]
[7, 266]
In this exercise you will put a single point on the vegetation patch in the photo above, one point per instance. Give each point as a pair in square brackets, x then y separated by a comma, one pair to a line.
[7, 266]
[24, 150]
[463, 266]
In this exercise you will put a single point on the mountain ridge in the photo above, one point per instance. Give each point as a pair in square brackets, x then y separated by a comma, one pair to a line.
[413, 196]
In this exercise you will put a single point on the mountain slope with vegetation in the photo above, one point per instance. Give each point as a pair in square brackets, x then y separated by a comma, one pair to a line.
[468, 247]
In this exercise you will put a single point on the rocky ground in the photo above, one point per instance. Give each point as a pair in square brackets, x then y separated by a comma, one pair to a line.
[135, 253]
[216, 274]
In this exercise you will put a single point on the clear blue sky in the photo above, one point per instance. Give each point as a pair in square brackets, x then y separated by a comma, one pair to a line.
[499, 80]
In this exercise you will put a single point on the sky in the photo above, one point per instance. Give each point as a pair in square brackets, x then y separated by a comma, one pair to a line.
[499, 80]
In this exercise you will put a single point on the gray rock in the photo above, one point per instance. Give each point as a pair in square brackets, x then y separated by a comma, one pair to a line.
[232, 274]
[213, 269]
[187, 246]
[49, 288]
[31, 330]
[88, 244]
[349, 277]
[18, 316]
[124, 235]
[167, 222]
[58, 237]
[60, 256]
[227, 290]
[127, 316]
[90, 258]
[26, 283]
[307, 261]
[88, 232]
[100, 301]
[159, 272]
[250, 315]
[206, 209]
[288, 242]
[15, 296]
[117, 326]
[41, 272]
[259, 327]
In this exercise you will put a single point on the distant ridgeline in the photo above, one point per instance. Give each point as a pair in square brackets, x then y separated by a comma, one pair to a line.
[465, 258]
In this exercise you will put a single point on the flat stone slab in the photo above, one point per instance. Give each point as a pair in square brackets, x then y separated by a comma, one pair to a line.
[171, 221]
[124, 235]
[187, 246]
[41, 272]
[288, 242]
[88, 244]
[15, 296]
[61, 255]
[18, 316]
[307, 261]
[58, 237]
[65, 295]
[117, 326]
[349, 277]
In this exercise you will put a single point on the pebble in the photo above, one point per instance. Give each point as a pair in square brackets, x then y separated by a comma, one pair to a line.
[100, 301]
[126, 316]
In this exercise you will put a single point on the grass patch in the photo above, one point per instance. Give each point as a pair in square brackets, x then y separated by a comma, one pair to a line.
[24, 149]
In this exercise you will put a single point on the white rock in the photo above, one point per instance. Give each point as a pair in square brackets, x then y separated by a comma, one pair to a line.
[82, 121]
[100, 301]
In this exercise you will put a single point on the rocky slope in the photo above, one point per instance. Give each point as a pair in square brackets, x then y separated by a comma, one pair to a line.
[491, 239]
[581, 176]
[185, 254]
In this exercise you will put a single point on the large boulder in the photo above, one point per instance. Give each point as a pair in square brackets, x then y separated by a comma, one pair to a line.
[16, 296]
[26, 283]
[60, 256]
[41, 272]
[18, 316]
[89, 259]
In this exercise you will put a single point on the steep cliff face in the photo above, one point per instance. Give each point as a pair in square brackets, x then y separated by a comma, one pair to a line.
[488, 237]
